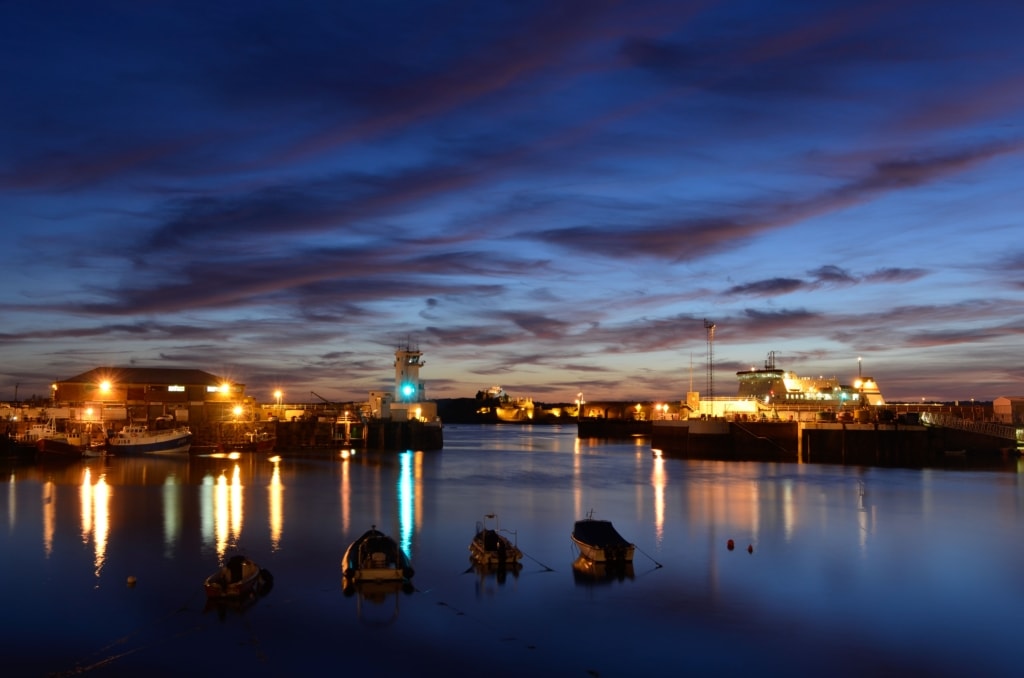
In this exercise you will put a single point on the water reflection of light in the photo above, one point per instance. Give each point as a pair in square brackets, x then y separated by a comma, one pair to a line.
[101, 503]
[85, 494]
[658, 481]
[276, 491]
[49, 515]
[788, 510]
[406, 497]
[11, 504]
[221, 510]
[577, 484]
[172, 514]
[865, 517]
[220, 514]
[95, 501]
[236, 502]
[206, 517]
[346, 496]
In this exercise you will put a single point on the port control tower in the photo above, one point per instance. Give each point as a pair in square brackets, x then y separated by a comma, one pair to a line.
[408, 387]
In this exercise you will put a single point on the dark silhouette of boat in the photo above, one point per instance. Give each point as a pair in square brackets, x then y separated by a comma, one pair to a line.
[600, 542]
[375, 557]
[238, 578]
[490, 547]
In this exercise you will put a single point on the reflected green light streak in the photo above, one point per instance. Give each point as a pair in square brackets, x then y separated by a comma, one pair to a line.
[406, 497]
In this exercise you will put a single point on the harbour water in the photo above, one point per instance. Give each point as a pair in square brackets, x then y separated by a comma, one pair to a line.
[835, 570]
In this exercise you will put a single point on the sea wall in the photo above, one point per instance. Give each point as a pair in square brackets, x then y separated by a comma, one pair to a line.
[310, 435]
[871, 444]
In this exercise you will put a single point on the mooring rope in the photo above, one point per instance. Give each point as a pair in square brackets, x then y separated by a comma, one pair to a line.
[102, 662]
[546, 568]
[657, 564]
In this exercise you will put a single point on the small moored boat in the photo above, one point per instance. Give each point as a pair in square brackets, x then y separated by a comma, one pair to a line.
[600, 542]
[490, 547]
[375, 557]
[239, 577]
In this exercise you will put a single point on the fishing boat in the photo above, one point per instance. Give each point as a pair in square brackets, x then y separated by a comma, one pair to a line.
[490, 547]
[56, 448]
[255, 441]
[375, 557]
[164, 438]
[599, 541]
[239, 577]
[76, 443]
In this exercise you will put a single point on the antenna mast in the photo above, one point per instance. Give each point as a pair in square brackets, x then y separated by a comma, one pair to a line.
[710, 327]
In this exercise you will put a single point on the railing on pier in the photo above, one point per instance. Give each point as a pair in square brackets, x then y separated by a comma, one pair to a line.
[981, 427]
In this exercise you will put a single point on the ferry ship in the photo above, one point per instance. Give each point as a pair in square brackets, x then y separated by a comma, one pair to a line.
[771, 385]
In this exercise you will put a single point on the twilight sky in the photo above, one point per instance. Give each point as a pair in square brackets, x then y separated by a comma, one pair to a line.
[550, 196]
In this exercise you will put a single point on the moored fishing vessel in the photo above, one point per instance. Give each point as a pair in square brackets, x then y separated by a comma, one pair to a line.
[599, 541]
[164, 438]
[239, 577]
[254, 441]
[375, 557]
[490, 547]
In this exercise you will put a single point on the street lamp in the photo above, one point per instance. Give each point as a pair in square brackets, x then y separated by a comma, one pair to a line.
[579, 405]
[277, 399]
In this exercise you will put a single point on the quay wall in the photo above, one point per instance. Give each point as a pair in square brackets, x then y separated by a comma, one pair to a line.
[611, 429]
[309, 435]
[871, 444]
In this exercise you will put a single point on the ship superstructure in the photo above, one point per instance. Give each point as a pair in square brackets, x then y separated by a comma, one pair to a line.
[771, 385]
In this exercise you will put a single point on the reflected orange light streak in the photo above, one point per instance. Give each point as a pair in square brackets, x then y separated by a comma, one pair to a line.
[49, 515]
[101, 508]
[577, 483]
[346, 496]
[85, 494]
[220, 514]
[95, 510]
[276, 491]
[658, 481]
[12, 504]
[227, 510]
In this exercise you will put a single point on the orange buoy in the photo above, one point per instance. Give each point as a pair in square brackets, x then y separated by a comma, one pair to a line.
[750, 548]
[730, 545]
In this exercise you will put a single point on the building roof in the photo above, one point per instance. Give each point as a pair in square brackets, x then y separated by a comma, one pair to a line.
[145, 375]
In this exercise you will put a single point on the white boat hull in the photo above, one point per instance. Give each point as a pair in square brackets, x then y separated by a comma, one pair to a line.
[138, 440]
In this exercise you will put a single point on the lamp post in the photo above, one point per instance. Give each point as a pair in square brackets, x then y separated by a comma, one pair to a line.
[277, 400]
[579, 406]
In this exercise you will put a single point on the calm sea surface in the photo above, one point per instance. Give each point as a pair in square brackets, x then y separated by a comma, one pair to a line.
[850, 571]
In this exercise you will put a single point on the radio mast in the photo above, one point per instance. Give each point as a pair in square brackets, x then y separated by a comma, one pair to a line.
[710, 327]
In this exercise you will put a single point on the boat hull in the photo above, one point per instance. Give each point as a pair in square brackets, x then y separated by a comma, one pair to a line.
[139, 440]
[52, 448]
[598, 541]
